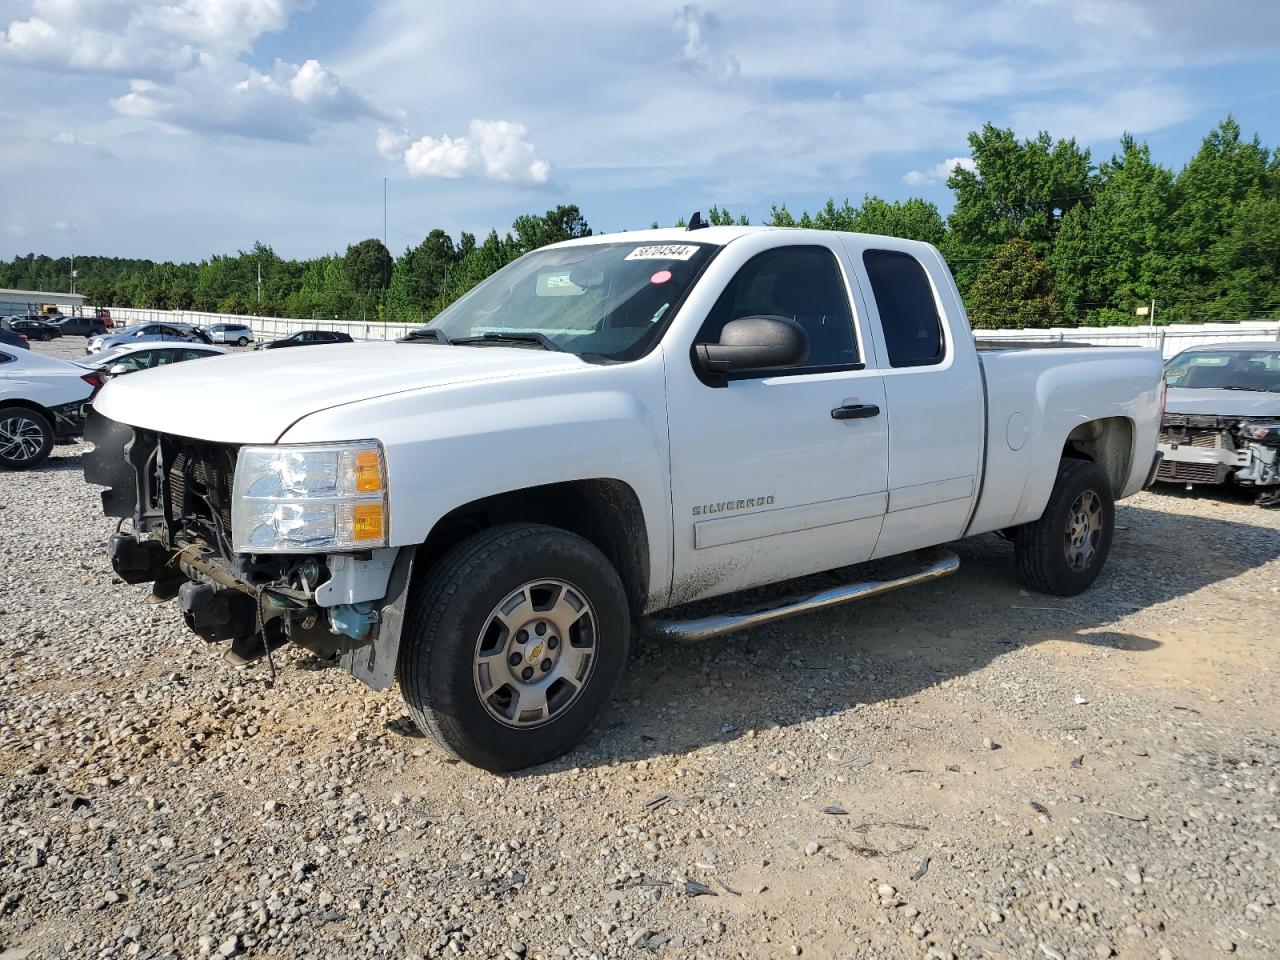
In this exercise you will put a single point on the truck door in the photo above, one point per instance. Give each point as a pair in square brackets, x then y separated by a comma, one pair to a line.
[777, 473]
[934, 393]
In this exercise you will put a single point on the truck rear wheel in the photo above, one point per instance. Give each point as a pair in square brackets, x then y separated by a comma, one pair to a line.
[513, 645]
[26, 437]
[1063, 552]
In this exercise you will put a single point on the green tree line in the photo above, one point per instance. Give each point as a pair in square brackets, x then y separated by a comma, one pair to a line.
[1039, 235]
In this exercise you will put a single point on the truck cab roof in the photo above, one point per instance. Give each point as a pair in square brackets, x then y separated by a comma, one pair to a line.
[720, 236]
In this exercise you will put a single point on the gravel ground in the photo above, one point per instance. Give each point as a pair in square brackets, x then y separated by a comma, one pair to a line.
[962, 770]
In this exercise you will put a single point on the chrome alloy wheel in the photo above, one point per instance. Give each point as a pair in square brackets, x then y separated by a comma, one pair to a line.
[20, 438]
[1084, 530]
[535, 653]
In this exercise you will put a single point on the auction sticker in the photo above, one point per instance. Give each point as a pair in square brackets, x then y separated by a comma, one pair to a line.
[663, 251]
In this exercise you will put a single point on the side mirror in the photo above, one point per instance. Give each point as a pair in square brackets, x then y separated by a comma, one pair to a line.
[116, 369]
[754, 343]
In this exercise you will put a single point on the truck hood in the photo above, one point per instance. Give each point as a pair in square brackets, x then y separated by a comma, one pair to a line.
[1223, 403]
[256, 397]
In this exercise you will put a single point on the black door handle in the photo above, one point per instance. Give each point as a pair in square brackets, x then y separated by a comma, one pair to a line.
[855, 411]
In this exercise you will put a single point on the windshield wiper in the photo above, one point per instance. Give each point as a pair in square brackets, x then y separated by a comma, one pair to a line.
[541, 339]
[1249, 389]
[427, 333]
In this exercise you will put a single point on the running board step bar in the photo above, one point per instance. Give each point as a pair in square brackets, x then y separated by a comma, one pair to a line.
[928, 565]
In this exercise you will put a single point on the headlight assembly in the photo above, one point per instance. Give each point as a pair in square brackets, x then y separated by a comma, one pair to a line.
[1261, 430]
[312, 498]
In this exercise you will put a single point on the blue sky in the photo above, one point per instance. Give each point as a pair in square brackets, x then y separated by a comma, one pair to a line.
[179, 129]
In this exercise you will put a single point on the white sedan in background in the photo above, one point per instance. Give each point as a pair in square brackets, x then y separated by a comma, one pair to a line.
[130, 358]
[42, 402]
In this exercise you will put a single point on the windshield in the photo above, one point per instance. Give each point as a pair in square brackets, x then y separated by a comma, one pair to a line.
[1226, 370]
[602, 299]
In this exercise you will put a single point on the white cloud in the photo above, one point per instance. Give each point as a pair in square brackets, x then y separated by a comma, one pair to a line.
[392, 143]
[136, 37]
[498, 149]
[442, 157]
[183, 61]
[696, 53]
[287, 104]
[234, 22]
[938, 172]
[80, 146]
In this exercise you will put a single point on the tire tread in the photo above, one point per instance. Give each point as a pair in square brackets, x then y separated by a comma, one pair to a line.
[462, 564]
[1035, 548]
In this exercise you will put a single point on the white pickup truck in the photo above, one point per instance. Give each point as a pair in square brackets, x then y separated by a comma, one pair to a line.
[602, 431]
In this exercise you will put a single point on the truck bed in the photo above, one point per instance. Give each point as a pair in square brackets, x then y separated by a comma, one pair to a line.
[991, 345]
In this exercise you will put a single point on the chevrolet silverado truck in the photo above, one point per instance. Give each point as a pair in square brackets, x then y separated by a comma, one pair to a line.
[1222, 420]
[598, 434]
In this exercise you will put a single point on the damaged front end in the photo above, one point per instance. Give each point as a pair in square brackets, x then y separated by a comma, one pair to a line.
[178, 504]
[1203, 449]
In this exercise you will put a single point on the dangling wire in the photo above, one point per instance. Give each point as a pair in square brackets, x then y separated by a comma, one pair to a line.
[262, 632]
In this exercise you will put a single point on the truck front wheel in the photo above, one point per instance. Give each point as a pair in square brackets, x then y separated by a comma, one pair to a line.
[1063, 552]
[513, 645]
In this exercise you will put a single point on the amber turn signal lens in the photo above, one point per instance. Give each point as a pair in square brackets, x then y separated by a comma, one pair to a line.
[367, 522]
[368, 471]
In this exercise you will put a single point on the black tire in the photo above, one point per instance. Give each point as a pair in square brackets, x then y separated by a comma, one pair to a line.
[1049, 560]
[242, 342]
[449, 615]
[26, 438]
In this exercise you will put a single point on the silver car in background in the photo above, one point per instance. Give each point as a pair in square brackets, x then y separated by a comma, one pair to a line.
[1222, 418]
[147, 333]
[238, 333]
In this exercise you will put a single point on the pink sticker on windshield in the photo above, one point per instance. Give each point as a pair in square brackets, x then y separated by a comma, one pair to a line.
[662, 276]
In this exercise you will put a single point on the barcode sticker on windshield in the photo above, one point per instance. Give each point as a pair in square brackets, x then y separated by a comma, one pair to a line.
[663, 251]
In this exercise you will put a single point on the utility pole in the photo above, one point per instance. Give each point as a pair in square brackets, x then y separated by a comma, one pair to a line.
[73, 273]
[386, 281]
[259, 300]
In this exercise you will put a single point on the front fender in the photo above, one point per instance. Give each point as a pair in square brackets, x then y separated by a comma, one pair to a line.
[448, 446]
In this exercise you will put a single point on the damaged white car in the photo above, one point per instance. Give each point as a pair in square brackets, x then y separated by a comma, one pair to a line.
[1222, 418]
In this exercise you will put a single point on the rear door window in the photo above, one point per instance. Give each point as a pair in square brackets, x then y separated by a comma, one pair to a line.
[908, 311]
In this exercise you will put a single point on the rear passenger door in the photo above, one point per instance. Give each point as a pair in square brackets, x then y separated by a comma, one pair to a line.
[933, 394]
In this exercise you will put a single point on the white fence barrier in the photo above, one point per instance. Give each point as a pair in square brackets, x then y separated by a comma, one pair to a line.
[1170, 340]
[264, 328]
